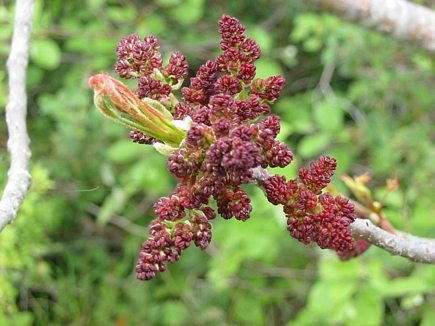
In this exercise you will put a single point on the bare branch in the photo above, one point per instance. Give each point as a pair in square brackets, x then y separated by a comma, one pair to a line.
[19, 178]
[405, 245]
[402, 20]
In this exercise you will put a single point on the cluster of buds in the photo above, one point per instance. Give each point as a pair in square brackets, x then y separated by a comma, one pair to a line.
[313, 216]
[217, 139]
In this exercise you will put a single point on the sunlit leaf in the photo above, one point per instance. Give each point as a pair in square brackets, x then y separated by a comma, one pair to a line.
[45, 53]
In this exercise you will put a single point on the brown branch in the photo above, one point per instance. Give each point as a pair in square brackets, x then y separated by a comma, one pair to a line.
[402, 20]
[19, 178]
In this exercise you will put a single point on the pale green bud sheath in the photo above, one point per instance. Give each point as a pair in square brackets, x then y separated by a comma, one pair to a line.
[119, 103]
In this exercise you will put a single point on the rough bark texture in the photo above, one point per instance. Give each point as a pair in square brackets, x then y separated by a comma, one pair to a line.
[399, 19]
[19, 178]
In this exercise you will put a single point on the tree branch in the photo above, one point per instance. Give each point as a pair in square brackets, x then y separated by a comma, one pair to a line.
[416, 249]
[19, 178]
[402, 20]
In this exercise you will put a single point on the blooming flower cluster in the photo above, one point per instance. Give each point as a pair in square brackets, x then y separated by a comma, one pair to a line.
[216, 139]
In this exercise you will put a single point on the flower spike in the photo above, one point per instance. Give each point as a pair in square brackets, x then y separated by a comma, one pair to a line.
[217, 139]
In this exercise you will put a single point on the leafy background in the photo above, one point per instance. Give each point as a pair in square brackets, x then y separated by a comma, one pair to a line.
[350, 93]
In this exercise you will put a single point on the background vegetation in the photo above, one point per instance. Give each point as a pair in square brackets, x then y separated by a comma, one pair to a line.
[352, 94]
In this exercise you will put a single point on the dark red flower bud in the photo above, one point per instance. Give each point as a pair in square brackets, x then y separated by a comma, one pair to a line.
[168, 208]
[228, 85]
[251, 49]
[233, 202]
[278, 190]
[177, 68]
[246, 73]
[268, 89]
[182, 236]
[152, 88]
[137, 58]
[279, 155]
[232, 32]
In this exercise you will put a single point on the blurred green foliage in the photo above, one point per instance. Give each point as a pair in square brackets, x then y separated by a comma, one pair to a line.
[69, 258]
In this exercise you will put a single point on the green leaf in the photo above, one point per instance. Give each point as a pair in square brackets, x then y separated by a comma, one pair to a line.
[428, 316]
[153, 24]
[251, 304]
[407, 286]
[150, 174]
[328, 116]
[121, 14]
[312, 145]
[188, 12]
[174, 313]
[266, 68]
[326, 303]
[125, 151]
[367, 307]
[45, 53]
[262, 37]
[22, 318]
[296, 111]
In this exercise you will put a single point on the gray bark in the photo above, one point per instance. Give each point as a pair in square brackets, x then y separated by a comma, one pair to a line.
[19, 178]
[402, 20]
[414, 248]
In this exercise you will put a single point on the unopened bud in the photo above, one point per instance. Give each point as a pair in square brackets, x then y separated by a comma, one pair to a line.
[117, 102]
